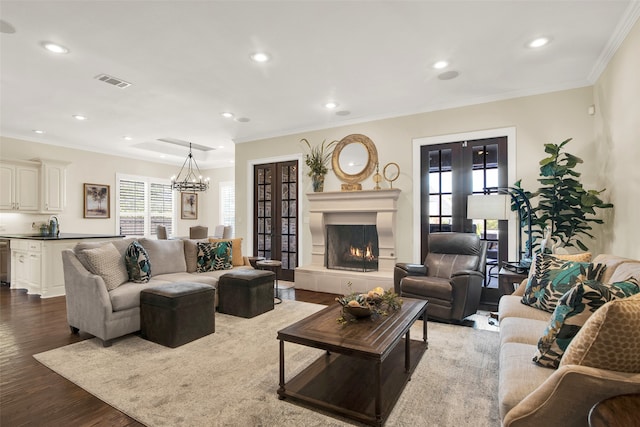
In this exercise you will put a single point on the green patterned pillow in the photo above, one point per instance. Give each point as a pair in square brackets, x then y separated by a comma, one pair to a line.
[573, 310]
[553, 277]
[137, 261]
[214, 256]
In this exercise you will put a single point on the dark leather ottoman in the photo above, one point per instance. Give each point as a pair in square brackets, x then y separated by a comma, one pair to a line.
[246, 293]
[177, 313]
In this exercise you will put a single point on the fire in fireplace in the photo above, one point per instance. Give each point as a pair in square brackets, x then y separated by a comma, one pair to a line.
[352, 247]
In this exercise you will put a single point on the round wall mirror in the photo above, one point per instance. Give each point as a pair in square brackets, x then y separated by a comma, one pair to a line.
[354, 158]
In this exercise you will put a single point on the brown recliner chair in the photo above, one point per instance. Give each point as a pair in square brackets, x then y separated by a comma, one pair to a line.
[451, 277]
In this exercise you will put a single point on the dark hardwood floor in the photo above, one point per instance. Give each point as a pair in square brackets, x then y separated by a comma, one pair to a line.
[33, 395]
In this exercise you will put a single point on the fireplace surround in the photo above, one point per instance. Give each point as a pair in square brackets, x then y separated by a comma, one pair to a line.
[366, 207]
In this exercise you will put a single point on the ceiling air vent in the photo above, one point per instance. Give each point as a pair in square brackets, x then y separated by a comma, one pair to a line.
[113, 81]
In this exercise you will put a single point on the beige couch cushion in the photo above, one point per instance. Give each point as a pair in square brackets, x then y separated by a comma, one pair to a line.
[518, 329]
[165, 256]
[612, 262]
[610, 339]
[121, 246]
[511, 306]
[625, 271]
[519, 376]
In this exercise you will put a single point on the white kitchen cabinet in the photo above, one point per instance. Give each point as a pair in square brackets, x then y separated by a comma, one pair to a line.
[36, 265]
[19, 186]
[53, 187]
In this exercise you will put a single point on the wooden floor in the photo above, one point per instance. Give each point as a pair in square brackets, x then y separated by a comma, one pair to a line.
[31, 394]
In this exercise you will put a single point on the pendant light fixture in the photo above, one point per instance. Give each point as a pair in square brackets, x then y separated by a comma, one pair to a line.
[189, 180]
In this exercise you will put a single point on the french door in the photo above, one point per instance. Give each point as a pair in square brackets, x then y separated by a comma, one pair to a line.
[449, 173]
[276, 214]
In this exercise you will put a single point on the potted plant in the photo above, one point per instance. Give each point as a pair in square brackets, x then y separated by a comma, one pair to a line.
[316, 159]
[564, 209]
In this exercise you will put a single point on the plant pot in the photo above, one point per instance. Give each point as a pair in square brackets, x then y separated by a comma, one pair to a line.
[317, 182]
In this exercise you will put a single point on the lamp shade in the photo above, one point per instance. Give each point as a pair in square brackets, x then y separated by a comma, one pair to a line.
[488, 206]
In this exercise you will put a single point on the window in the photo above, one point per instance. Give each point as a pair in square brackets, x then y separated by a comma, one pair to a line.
[228, 204]
[143, 203]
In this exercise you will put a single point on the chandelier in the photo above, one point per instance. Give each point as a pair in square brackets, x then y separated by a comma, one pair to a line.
[189, 180]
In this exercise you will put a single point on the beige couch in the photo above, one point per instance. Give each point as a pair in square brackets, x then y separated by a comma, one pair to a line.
[531, 395]
[108, 314]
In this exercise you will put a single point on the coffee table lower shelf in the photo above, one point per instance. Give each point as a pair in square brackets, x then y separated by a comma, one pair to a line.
[346, 385]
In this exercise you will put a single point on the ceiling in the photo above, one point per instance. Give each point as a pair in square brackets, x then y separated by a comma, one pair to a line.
[189, 61]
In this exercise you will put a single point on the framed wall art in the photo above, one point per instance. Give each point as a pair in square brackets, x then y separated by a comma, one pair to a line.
[189, 206]
[96, 201]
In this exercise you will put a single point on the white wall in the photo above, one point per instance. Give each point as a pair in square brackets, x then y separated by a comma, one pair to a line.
[617, 102]
[539, 119]
[89, 167]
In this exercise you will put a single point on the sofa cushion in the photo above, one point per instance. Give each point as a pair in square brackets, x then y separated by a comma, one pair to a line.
[236, 250]
[434, 287]
[107, 262]
[205, 278]
[626, 271]
[518, 329]
[214, 256]
[612, 262]
[191, 253]
[127, 296]
[573, 310]
[137, 262]
[598, 343]
[518, 377]
[511, 306]
[553, 278]
[166, 256]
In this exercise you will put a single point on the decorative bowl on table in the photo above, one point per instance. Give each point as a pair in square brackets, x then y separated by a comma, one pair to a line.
[358, 311]
[361, 305]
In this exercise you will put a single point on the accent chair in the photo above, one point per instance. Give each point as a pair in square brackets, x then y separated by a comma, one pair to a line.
[451, 276]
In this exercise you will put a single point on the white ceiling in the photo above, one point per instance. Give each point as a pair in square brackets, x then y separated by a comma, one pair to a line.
[188, 61]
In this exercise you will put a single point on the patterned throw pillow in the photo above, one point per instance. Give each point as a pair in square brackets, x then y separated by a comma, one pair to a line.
[214, 256]
[573, 310]
[106, 262]
[553, 278]
[598, 344]
[138, 265]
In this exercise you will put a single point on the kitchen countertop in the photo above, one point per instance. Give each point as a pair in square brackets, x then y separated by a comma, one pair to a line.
[61, 236]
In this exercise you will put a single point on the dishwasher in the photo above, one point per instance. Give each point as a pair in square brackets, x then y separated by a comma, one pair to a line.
[5, 261]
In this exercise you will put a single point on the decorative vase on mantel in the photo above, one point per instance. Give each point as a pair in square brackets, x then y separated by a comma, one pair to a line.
[317, 181]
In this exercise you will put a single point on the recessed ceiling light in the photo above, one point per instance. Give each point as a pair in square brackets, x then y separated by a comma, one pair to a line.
[38, 131]
[331, 105]
[260, 57]
[227, 115]
[539, 42]
[54, 47]
[79, 117]
[127, 138]
[440, 65]
[220, 147]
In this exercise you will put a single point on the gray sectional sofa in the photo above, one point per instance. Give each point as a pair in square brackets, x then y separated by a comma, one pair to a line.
[109, 314]
[590, 369]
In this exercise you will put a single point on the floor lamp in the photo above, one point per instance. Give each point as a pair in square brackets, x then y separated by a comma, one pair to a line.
[497, 206]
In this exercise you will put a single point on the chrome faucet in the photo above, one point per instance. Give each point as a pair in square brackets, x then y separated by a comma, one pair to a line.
[54, 226]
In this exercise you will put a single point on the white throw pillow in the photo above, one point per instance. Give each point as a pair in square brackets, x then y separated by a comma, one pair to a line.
[107, 262]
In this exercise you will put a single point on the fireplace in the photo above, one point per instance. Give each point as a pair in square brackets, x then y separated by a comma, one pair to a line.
[375, 209]
[352, 247]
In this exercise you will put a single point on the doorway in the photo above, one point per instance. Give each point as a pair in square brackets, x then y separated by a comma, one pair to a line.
[452, 171]
[276, 214]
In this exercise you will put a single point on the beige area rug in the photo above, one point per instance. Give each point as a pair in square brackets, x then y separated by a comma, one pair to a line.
[230, 378]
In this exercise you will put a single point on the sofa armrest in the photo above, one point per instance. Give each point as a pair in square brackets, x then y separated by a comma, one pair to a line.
[88, 302]
[567, 396]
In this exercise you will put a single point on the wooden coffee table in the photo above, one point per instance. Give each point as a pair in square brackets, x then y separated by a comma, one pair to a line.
[366, 365]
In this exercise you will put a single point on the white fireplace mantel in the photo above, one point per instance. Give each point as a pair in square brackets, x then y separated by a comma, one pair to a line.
[368, 207]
